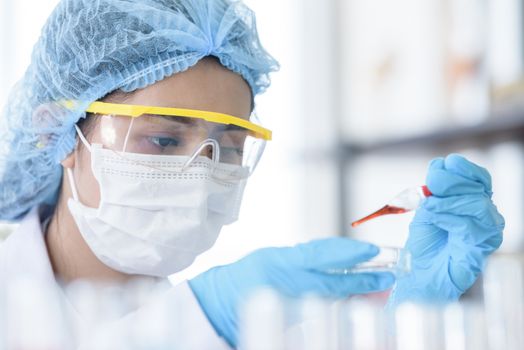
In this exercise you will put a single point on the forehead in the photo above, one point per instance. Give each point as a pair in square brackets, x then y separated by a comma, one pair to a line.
[206, 86]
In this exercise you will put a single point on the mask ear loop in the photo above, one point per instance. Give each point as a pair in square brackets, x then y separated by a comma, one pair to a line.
[69, 171]
[83, 138]
[128, 132]
[208, 142]
[72, 183]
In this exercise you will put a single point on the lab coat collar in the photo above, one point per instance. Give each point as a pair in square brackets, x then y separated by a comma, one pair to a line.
[25, 253]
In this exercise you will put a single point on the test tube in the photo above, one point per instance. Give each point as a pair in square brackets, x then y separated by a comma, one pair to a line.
[263, 322]
[3, 319]
[465, 326]
[317, 325]
[504, 302]
[418, 326]
[363, 326]
[389, 259]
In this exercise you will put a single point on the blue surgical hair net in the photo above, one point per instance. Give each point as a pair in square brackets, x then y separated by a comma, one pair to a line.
[89, 48]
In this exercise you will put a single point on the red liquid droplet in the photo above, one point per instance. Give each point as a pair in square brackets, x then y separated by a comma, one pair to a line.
[388, 209]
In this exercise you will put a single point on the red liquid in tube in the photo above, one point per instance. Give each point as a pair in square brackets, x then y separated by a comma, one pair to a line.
[387, 209]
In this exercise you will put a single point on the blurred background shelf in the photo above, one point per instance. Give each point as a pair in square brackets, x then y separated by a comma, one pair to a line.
[372, 172]
[417, 80]
[497, 128]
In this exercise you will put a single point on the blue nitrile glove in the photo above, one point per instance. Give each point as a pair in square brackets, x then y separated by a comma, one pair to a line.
[292, 271]
[451, 234]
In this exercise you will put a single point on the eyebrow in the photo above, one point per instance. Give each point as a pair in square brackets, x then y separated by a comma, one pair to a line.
[233, 127]
[192, 121]
[177, 119]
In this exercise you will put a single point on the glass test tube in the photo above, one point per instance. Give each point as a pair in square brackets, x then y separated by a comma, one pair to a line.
[389, 259]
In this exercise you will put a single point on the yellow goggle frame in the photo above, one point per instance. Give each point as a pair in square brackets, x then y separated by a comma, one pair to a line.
[215, 117]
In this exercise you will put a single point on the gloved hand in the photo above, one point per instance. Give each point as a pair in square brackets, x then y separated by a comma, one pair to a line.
[292, 271]
[451, 234]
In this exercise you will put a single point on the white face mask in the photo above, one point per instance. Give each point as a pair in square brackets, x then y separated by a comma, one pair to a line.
[151, 221]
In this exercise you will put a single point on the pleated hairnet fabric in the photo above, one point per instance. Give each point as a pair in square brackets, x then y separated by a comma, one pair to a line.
[89, 48]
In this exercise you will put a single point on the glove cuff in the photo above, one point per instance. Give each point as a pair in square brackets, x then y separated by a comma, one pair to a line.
[215, 310]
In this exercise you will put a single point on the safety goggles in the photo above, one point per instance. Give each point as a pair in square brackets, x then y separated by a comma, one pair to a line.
[164, 131]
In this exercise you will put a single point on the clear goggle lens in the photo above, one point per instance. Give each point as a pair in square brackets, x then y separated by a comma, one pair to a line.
[236, 149]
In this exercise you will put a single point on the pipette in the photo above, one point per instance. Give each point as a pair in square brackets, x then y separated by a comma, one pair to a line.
[405, 201]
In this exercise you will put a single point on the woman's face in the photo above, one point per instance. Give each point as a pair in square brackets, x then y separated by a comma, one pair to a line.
[206, 86]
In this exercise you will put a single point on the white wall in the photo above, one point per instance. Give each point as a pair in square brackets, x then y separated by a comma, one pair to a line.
[20, 24]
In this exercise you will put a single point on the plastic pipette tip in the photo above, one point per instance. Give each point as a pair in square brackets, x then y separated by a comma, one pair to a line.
[389, 209]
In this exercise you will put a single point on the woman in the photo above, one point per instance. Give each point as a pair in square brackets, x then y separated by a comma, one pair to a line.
[146, 107]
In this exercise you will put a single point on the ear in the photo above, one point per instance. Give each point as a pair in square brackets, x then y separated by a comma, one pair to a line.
[69, 161]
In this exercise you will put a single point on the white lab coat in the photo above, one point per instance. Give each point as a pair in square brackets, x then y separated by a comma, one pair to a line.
[24, 253]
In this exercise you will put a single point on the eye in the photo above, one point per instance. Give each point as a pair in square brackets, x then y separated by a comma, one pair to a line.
[164, 142]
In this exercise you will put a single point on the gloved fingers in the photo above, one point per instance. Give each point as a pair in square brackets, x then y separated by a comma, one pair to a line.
[466, 263]
[340, 286]
[455, 175]
[332, 253]
[478, 206]
[463, 274]
[468, 231]
[425, 240]
[443, 183]
[463, 167]
[473, 256]
[422, 227]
